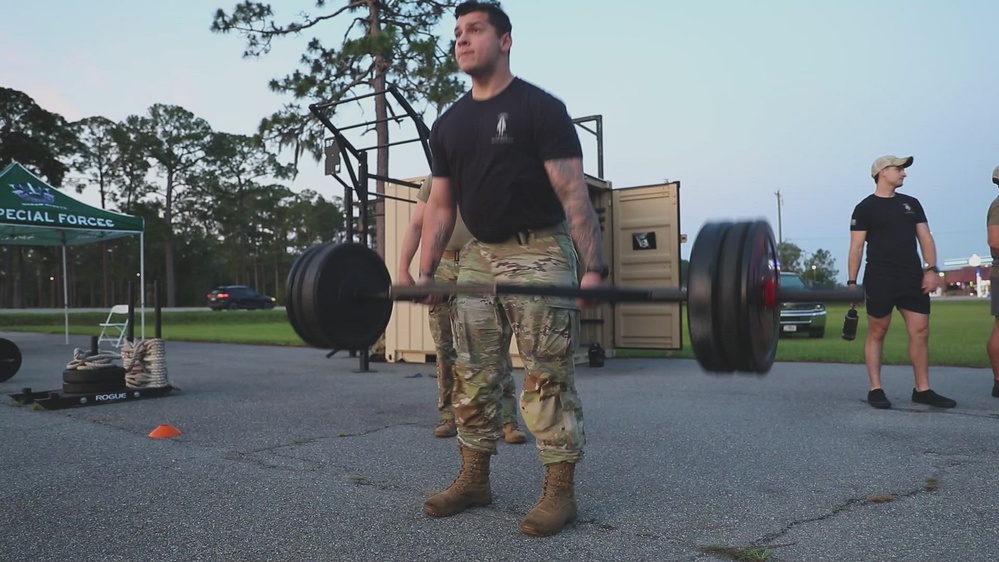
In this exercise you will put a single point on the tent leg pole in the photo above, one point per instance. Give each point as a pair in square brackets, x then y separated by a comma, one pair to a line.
[142, 283]
[65, 294]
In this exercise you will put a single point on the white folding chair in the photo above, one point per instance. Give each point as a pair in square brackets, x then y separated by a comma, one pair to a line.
[114, 328]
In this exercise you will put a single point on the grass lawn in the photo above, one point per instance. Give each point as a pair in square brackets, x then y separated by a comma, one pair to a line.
[958, 331]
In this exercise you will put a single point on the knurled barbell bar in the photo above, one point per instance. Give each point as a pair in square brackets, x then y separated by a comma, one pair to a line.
[340, 296]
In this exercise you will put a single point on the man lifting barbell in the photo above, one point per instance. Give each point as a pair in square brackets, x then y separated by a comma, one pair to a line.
[507, 156]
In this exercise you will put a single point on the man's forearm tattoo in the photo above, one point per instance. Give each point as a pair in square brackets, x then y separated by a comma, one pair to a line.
[570, 185]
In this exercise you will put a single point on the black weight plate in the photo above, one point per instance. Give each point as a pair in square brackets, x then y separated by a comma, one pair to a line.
[110, 374]
[728, 299]
[307, 311]
[293, 289]
[294, 286]
[332, 282]
[701, 278]
[10, 359]
[91, 388]
[761, 321]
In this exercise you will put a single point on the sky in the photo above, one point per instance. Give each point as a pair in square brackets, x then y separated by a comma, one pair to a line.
[737, 100]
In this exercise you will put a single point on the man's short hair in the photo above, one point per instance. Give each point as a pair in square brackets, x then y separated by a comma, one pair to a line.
[995, 176]
[497, 17]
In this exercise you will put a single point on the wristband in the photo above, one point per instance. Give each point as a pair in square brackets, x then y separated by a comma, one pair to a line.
[932, 268]
[851, 282]
[603, 271]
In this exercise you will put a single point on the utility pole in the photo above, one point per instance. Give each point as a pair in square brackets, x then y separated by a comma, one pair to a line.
[780, 201]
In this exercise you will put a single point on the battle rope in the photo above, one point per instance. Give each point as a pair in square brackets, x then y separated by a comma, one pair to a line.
[84, 361]
[145, 364]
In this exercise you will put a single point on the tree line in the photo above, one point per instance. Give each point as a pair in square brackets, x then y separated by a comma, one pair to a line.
[217, 206]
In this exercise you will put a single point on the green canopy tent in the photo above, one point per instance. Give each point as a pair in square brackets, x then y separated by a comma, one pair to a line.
[33, 213]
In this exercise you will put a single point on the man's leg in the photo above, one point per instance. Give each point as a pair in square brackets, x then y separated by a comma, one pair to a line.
[993, 344]
[546, 336]
[918, 327]
[441, 320]
[508, 403]
[915, 307]
[874, 345]
[475, 396]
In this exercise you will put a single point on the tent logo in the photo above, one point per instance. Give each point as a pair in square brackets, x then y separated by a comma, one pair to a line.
[32, 193]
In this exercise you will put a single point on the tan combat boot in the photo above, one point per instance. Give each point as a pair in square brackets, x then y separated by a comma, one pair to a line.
[469, 489]
[513, 434]
[557, 505]
[445, 429]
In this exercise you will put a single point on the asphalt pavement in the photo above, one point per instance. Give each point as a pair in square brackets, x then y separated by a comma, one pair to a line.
[287, 455]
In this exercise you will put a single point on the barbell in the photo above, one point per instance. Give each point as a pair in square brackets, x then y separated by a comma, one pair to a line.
[340, 296]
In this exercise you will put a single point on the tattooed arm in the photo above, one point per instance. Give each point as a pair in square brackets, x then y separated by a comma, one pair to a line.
[566, 176]
[438, 224]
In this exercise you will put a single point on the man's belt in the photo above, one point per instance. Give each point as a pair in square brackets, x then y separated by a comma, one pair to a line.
[525, 236]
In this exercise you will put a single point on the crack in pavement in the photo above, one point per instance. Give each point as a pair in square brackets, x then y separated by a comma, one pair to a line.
[849, 504]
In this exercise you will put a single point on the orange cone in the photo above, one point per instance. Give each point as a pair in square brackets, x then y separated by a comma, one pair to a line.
[164, 430]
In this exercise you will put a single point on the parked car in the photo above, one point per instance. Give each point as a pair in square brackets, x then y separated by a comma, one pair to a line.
[232, 297]
[801, 317]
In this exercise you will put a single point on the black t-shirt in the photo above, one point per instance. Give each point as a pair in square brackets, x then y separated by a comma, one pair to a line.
[493, 151]
[890, 223]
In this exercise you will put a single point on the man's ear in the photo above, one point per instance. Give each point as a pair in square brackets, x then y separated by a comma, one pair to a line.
[506, 42]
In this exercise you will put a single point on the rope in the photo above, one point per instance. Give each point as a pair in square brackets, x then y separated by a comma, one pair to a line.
[84, 361]
[145, 364]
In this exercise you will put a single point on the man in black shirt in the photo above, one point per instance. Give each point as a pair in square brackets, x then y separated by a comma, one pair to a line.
[891, 223]
[992, 224]
[507, 157]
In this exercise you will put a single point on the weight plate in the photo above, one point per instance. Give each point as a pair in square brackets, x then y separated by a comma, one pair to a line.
[760, 319]
[308, 285]
[109, 374]
[701, 279]
[332, 283]
[293, 289]
[10, 359]
[728, 296]
[91, 388]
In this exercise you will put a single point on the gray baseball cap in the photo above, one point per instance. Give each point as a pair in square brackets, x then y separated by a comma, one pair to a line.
[889, 160]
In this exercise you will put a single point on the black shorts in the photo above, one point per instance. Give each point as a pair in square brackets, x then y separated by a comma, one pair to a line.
[993, 283]
[884, 294]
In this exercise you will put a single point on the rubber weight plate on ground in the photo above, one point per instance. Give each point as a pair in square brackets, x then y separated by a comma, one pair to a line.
[293, 288]
[109, 374]
[728, 296]
[331, 301]
[759, 319]
[91, 388]
[701, 276]
[10, 359]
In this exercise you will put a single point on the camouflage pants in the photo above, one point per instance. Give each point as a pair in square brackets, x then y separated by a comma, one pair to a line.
[547, 331]
[441, 329]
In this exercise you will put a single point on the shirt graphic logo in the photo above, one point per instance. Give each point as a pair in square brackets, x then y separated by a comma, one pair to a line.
[501, 136]
[908, 209]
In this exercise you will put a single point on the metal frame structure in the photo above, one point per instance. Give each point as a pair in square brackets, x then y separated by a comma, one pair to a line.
[339, 150]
